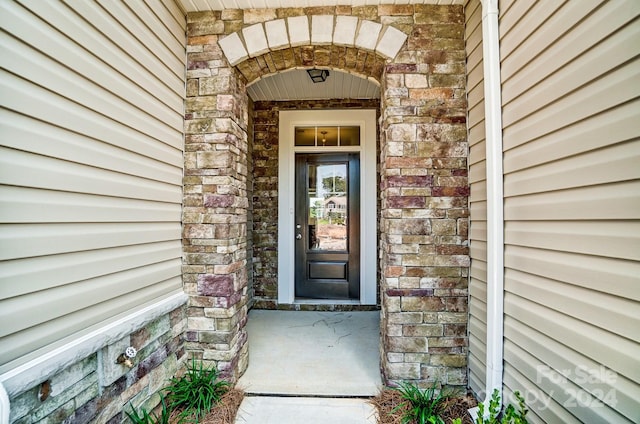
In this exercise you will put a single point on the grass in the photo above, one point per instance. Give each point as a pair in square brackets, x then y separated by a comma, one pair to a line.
[144, 417]
[199, 396]
[197, 391]
[420, 406]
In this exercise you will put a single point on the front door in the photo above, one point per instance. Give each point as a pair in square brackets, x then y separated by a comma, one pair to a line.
[327, 220]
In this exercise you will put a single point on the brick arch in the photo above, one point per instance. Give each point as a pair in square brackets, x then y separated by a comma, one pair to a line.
[348, 43]
[360, 62]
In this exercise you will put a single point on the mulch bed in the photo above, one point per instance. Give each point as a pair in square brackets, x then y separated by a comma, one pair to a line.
[389, 399]
[385, 402]
[223, 413]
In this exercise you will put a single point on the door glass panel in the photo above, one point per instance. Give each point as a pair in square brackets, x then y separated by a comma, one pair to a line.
[328, 201]
[327, 136]
[349, 136]
[305, 136]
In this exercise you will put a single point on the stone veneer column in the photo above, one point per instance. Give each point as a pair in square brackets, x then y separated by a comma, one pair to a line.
[215, 209]
[424, 189]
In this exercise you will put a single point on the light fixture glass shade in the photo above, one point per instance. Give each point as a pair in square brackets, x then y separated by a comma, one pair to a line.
[318, 75]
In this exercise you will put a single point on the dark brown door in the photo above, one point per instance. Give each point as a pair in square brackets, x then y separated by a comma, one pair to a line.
[327, 247]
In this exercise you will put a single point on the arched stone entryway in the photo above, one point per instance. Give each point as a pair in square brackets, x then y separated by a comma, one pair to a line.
[423, 171]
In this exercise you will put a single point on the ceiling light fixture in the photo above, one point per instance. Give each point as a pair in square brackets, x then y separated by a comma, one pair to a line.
[318, 75]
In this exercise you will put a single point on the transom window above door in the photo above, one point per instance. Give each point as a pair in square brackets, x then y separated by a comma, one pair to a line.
[327, 136]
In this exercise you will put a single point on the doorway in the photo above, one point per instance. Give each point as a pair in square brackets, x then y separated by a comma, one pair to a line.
[327, 220]
[327, 234]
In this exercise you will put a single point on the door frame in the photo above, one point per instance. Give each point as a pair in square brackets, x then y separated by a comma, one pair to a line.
[288, 120]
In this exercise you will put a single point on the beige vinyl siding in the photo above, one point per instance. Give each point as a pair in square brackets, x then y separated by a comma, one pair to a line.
[477, 199]
[91, 147]
[571, 113]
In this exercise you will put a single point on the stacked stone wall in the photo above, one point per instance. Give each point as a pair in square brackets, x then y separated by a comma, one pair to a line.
[97, 389]
[216, 206]
[423, 256]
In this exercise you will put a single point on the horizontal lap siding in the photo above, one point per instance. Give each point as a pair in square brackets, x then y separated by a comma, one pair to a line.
[571, 102]
[90, 166]
[477, 199]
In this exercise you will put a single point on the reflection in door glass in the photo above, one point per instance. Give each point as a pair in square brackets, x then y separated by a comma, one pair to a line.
[327, 206]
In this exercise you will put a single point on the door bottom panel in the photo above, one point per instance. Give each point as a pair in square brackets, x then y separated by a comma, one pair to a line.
[328, 271]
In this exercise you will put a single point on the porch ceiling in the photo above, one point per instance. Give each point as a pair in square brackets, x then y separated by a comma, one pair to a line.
[296, 85]
[203, 5]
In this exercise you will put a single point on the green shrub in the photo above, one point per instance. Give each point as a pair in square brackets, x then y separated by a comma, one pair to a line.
[510, 416]
[145, 418]
[196, 392]
[516, 416]
[424, 405]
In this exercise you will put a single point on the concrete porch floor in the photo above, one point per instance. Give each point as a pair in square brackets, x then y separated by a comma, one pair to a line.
[311, 367]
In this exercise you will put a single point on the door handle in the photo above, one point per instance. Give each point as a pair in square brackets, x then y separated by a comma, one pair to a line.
[298, 236]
